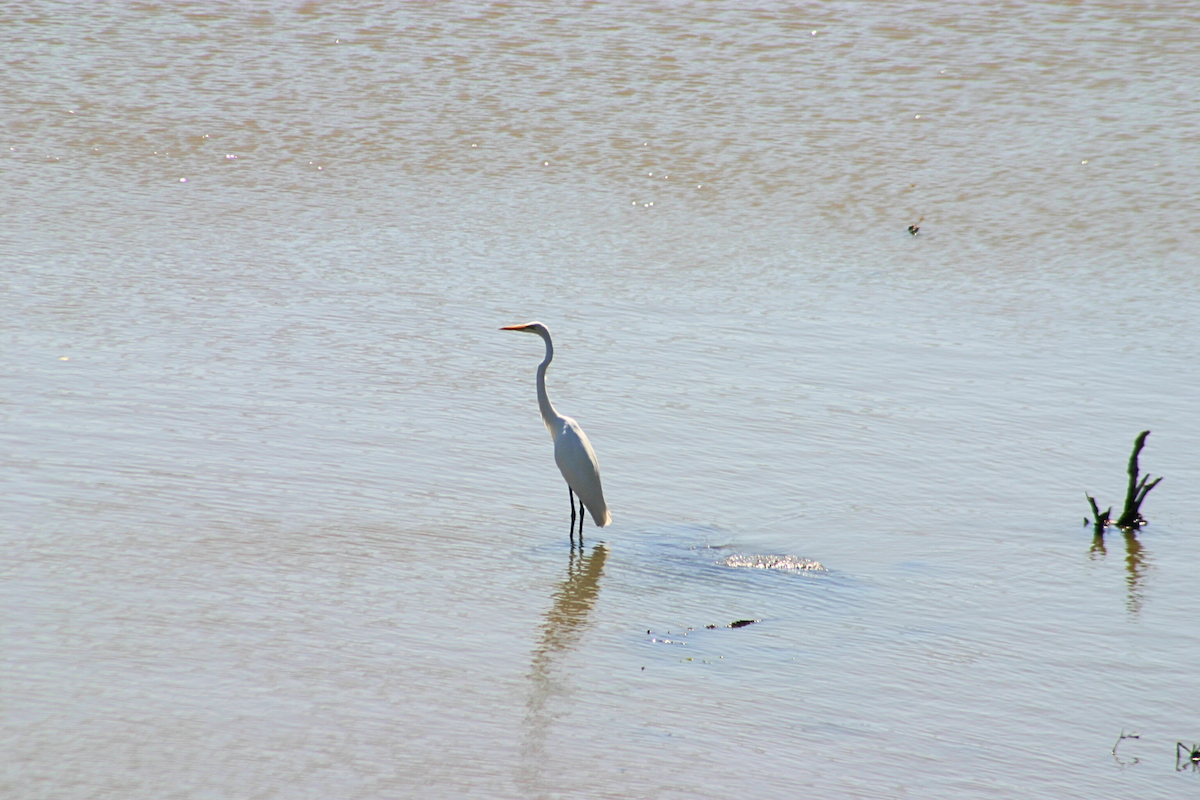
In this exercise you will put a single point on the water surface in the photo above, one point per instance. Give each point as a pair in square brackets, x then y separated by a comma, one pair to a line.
[279, 513]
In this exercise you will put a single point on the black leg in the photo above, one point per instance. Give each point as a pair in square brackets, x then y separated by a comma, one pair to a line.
[581, 522]
[571, 497]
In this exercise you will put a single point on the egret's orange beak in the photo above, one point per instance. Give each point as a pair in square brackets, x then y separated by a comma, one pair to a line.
[515, 327]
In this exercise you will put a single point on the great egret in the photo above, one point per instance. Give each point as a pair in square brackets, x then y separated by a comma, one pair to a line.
[572, 451]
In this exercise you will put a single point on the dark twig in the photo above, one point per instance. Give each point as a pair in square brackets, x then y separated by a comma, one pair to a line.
[1102, 520]
[1122, 738]
[1192, 756]
[1131, 517]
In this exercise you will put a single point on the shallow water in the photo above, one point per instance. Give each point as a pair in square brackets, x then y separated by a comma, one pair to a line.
[281, 519]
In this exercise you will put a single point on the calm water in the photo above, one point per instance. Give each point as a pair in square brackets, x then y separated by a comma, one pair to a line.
[279, 516]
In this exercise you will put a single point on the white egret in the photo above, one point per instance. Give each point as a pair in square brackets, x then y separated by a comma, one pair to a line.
[572, 451]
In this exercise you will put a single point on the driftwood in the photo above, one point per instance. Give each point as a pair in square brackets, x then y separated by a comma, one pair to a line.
[1131, 517]
[1101, 520]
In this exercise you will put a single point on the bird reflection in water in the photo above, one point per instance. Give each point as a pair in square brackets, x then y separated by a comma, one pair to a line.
[564, 626]
[1137, 565]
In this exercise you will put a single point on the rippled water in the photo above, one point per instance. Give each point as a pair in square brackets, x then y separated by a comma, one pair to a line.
[279, 515]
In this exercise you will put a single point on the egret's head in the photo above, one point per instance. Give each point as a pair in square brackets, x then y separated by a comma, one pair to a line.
[529, 327]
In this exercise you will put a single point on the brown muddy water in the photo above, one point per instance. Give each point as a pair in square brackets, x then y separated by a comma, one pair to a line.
[278, 515]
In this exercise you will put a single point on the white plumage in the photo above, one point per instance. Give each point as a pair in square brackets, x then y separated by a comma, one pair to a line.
[572, 451]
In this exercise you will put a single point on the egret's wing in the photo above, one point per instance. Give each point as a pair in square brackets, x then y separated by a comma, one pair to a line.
[577, 462]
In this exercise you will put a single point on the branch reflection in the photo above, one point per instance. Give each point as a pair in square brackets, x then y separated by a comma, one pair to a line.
[1137, 567]
[562, 629]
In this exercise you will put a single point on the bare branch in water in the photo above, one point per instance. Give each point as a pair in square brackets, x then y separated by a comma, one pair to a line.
[1131, 517]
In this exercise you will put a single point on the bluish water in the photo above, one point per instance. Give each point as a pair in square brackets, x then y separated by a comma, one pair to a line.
[280, 515]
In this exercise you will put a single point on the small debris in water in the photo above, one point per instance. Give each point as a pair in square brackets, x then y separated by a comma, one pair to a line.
[1192, 756]
[1122, 738]
[741, 623]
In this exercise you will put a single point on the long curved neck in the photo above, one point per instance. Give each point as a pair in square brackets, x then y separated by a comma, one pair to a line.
[549, 415]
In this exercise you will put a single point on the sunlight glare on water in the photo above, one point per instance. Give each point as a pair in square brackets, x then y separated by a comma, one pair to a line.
[281, 518]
